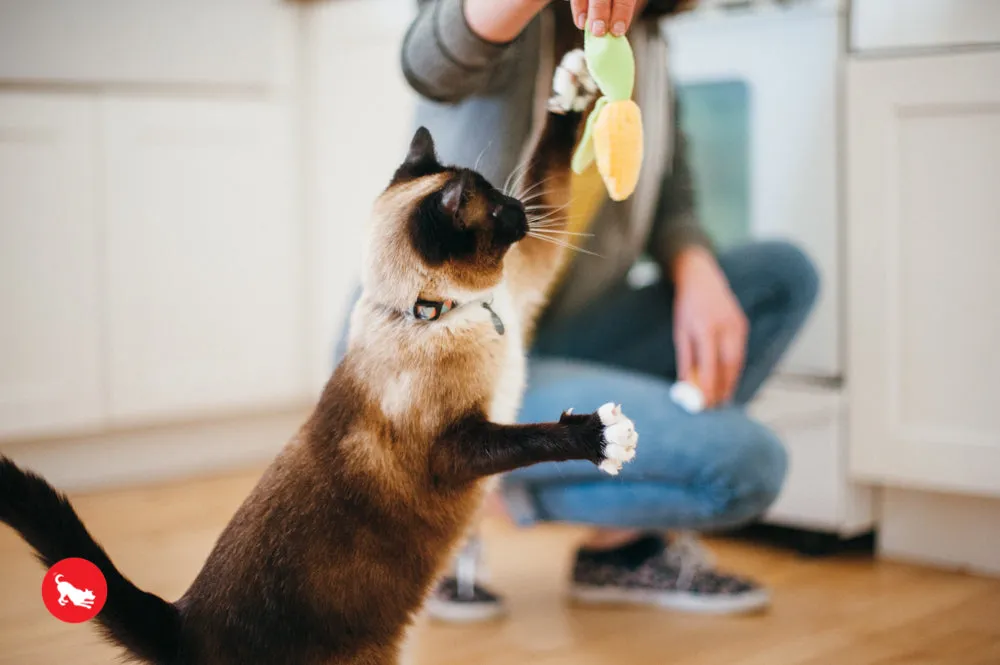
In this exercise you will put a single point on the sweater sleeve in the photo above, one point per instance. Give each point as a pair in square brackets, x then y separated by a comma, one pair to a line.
[442, 58]
[676, 225]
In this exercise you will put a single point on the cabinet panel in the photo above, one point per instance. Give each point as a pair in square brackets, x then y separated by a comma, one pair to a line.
[947, 320]
[924, 152]
[204, 270]
[49, 341]
[894, 25]
[353, 155]
[238, 42]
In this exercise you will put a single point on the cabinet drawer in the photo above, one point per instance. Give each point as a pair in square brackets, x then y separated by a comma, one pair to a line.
[233, 42]
[910, 25]
[816, 494]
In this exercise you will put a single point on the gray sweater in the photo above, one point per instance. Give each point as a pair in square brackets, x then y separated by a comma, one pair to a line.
[484, 103]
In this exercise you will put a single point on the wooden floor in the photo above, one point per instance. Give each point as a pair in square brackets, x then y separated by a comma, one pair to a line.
[845, 611]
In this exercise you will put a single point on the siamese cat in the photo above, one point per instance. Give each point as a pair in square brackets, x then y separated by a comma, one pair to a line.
[335, 549]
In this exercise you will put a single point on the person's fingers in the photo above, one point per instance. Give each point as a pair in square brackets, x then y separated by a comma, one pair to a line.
[598, 15]
[707, 359]
[732, 351]
[579, 9]
[621, 16]
[685, 355]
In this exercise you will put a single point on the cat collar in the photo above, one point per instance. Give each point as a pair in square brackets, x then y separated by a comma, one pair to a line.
[432, 310]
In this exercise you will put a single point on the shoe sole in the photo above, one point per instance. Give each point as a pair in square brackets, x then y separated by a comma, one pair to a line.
[463, 613]
[745, 603]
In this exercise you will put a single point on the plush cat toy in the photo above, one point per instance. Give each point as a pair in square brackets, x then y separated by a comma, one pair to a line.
[613, 134]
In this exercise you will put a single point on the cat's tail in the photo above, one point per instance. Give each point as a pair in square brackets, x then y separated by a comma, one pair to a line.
[144, 624]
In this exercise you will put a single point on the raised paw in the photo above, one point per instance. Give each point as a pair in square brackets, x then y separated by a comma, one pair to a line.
[619, 438]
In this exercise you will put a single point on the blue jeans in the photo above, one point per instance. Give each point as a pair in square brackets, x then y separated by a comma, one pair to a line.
[713, 470]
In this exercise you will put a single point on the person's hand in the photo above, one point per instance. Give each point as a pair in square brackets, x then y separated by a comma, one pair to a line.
[710, 328]
[500, 22]
[603, 16]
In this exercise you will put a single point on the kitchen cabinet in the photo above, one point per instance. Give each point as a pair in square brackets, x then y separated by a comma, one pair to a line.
[924, 228]
[350, 158]
[818, 494]
[204, 277]
[887, 27]
[50, 364]
[143, 43]
[179, 236]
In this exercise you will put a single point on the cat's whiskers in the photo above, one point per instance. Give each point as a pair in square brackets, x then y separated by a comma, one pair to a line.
[534, 197]
[506, 183]
[561, 233]
[551, 218]
[561, 243]
[531, 189]
[475, 167]
[546, 210]
[520, 178]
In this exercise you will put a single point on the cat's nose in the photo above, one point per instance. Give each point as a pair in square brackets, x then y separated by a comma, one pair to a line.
[511, 223]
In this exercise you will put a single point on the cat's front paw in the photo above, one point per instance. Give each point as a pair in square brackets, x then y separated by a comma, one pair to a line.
[619, 438]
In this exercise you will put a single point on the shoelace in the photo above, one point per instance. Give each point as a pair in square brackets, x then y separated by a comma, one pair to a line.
[466, 565]
[688, 555]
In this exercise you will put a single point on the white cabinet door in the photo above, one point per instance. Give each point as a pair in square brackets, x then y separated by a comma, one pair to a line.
[204, 250]
[361, 123]
[49, 336]
[924, 231]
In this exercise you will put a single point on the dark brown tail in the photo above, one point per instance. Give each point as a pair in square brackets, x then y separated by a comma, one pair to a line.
[144, 624]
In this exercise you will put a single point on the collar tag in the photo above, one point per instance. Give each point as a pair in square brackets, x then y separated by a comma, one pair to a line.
[432, 310]
[495, 318]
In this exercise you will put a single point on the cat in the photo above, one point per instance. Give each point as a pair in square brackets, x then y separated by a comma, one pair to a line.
[333, 552]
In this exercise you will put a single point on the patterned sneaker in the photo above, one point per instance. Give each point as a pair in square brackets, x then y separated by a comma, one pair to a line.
[677, 575]
[460, 598]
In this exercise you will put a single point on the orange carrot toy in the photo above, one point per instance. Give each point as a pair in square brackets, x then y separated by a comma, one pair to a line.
[613, 135]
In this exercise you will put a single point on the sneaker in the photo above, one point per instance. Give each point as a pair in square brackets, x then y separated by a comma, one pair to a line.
[677, 575]
[461, 598]
[450, 604]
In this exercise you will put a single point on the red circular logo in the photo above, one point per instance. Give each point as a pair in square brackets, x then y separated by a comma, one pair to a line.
[74, 590]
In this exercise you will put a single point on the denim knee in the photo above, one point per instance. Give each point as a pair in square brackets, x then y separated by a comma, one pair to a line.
[795, 271]
[746, 484]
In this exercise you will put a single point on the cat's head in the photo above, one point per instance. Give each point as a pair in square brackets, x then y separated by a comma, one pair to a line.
[438, 232]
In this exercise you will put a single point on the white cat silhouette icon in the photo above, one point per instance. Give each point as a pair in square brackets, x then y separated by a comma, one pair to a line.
[69, 593]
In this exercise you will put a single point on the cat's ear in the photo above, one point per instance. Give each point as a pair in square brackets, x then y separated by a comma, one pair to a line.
[421, 148]
[421, 158]
[451, 196]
